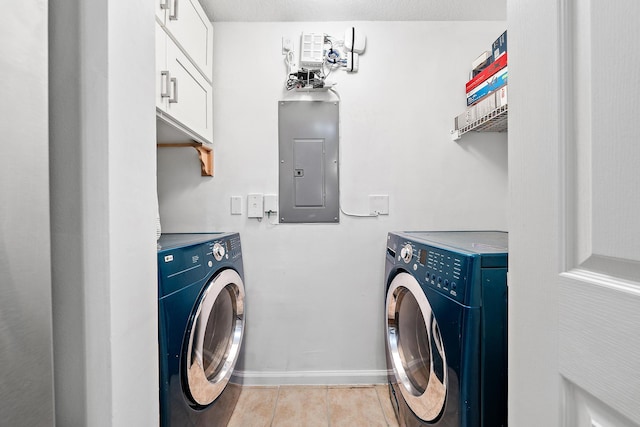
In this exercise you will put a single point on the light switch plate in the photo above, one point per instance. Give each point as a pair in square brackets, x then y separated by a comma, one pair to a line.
[379, 204]
[255, 206]
[236, 205]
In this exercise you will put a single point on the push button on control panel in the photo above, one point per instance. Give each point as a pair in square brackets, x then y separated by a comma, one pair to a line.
[443, 271]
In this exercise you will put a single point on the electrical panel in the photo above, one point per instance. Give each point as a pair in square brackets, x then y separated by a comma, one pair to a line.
[308, 148]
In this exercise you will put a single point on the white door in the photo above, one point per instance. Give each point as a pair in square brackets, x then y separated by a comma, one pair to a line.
[574, 220]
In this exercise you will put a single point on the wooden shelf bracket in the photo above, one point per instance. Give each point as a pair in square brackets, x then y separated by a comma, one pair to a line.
[205, 154]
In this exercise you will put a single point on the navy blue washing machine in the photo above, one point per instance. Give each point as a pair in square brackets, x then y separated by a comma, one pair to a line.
[201, 324]
[446, 327]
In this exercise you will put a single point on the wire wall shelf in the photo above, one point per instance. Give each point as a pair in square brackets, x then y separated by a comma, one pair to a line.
[494, 121]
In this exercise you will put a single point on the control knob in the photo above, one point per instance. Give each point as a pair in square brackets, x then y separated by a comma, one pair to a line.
[406, 253]
[218, 251]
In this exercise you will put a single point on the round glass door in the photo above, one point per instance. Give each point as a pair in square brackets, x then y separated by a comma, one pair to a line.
[415, 348]
[214, 337]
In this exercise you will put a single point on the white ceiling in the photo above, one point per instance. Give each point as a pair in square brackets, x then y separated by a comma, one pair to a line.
[355, 10]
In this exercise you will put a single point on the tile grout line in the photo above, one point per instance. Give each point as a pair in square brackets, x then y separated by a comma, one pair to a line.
[384, 415]
[326, 404]
[275, 406]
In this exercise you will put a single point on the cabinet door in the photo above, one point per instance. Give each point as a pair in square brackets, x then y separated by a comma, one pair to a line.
[189, 26]
[161, 6]
[190, 101]
[162, 77]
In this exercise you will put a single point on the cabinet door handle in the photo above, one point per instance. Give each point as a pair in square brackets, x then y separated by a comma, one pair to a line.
[164, 4]
[174, 16]
[165, 84]
[174, 84]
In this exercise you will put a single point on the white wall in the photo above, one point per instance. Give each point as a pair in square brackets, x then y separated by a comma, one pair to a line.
[103, 213]
[315, 292]
[26, 353]
[534, 299]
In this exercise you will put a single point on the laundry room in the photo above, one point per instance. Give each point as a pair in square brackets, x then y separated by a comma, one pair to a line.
[314, 290]
[319, 237]
[310, 287]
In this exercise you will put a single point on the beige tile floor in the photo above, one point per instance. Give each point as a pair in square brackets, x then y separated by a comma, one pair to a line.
[311, 406]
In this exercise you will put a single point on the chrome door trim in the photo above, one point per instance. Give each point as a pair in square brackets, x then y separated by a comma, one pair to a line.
[204, 390]
[427, 404]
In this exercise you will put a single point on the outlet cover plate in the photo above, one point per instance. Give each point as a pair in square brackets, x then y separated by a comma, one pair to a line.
[379, 204]
[255, 206]
[270, 203]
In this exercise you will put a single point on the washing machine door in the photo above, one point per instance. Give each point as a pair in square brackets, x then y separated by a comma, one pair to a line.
[214, 335]
[415, 347]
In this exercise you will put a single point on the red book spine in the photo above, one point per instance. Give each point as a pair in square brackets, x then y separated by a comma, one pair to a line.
[491, 69]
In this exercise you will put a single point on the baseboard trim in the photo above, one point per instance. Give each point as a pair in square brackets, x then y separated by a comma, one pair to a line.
[273, 378]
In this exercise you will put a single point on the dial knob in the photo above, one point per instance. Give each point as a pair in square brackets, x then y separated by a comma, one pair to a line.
[218, 251]
[406, 253]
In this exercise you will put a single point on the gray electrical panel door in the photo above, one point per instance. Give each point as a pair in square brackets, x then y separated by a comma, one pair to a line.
[308, 148]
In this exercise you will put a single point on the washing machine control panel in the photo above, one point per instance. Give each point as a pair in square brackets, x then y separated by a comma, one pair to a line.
[445, 271]
[224, 249]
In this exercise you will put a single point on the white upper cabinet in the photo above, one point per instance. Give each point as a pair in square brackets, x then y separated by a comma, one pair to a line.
[161, 6]
[188, 25]
[162, 79]
[183, 96]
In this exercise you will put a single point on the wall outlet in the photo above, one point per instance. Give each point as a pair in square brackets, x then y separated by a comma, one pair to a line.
[379, 204]
[255, 206]
[287, 45]
[270, 203]
[236, 205]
